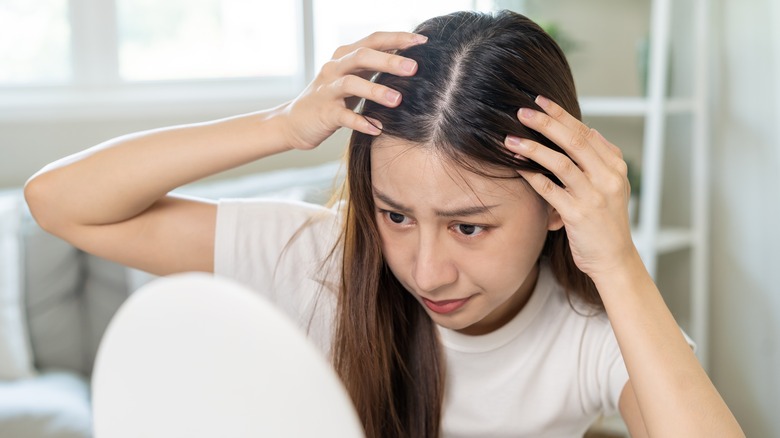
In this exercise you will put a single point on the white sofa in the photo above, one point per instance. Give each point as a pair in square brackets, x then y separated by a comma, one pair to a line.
[68, 298]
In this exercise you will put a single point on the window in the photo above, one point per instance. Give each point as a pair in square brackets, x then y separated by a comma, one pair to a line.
[39, 50]
[333, 27]
[197, 39]
[97, 57]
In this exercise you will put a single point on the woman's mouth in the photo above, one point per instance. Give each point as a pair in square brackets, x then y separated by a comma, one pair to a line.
[445, 306]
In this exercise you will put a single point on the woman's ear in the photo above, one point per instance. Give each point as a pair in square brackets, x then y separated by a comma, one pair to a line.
[554, 221]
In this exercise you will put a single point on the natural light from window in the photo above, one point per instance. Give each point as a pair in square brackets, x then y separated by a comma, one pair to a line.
[199, 39]
[94, 57]
[35, 47]
[346, 21]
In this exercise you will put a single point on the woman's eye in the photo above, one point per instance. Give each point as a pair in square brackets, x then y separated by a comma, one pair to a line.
[470, 230]
[396, 218]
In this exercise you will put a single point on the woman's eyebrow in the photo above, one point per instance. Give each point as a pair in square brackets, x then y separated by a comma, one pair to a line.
[389, 201]
[457, 212]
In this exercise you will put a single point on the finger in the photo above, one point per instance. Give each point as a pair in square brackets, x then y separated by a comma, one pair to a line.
[350, 85]
[616, 154]
[559, 164]
[557, 197]
[575, 143]
[383, 41]
[561, 115]
[350, 119]
[367, 59]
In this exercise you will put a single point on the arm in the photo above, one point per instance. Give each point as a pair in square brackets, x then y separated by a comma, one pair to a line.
[673, 394]
[112, 200]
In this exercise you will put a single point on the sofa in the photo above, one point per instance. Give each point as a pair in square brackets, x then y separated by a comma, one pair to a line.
[56, 302]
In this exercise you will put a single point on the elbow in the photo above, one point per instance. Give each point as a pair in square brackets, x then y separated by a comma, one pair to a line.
[40, 200]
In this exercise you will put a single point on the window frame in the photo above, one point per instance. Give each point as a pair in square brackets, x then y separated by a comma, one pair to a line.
[96, 90]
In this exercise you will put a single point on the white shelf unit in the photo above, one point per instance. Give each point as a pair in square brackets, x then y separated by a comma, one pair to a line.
[630, 106]
[652, 239]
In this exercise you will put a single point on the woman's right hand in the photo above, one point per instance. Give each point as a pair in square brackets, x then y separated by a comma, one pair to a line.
[112, 199]
[327, 104]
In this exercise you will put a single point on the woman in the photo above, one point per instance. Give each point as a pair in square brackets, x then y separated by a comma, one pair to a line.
[479, 279]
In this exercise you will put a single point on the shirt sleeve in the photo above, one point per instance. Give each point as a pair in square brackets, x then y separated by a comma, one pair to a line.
[608, 366]
[285, 250]
[613, 375]
[256, 239]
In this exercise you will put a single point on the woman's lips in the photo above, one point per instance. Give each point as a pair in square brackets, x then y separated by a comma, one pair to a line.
[445, 306]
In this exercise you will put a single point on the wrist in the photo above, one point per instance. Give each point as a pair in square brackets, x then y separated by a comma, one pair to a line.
[627, 271]
[259, 134]
[279, 121]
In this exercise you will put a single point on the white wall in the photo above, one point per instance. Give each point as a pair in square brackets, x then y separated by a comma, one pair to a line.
[745, 324]
[27, 145]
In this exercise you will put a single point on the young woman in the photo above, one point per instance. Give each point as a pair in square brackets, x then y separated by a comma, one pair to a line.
[479, 277]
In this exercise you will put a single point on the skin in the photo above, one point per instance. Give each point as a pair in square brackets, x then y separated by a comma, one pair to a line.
[112, 200]
[668, 393]
[454, 256]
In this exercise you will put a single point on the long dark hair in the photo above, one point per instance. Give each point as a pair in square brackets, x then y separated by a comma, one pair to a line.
[474, 73]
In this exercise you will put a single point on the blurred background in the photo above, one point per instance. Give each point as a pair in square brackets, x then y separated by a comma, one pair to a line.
[74, 73]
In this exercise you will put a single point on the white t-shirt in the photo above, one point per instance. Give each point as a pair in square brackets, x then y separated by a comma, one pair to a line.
[550, 372]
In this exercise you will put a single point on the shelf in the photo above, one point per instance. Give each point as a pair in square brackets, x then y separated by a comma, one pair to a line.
[669, 240]
[630, 106]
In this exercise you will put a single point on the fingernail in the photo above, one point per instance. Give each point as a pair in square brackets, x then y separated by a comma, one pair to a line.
[374, 126]
[374, 122]
[542, 101]
[392, 96]
[408, 65]
[513, 141]
[526, 113]
[419, 39]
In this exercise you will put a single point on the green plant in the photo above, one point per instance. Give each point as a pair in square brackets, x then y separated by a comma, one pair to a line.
[564, 40]
[634, 178]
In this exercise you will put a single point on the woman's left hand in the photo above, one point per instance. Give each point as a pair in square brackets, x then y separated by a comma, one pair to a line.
[593, 203]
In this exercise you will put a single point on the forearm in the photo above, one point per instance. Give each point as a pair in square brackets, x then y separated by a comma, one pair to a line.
[124, 176]
[675, 395]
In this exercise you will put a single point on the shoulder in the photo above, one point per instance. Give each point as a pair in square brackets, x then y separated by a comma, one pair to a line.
[273, 218]
[598, 363]
[585, 326]
[284, 211]
[257, 233]
[570, 307]
[289, 252]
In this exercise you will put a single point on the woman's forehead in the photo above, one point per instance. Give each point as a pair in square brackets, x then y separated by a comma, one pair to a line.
[388, 151]
[403, 166]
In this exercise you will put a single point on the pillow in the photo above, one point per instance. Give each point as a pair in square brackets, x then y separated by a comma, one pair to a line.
[104, 290]
[15, 350]
[53, 404]
[53, 281]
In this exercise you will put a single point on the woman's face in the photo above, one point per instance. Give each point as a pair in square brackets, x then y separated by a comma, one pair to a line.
[465, 246]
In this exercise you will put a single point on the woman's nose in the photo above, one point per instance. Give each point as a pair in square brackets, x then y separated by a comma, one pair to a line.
[433, 267]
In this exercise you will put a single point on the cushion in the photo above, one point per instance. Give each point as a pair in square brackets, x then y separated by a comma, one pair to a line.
[105, 289]
[54, 404]
[53, 276]
[15, 352]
